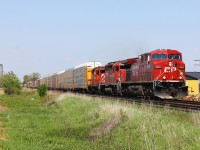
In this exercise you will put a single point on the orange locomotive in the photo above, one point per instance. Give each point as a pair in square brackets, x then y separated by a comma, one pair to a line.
[160, 73]
[98, 78]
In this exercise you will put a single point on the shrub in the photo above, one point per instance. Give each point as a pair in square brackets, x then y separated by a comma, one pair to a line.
[11, 84]
[42, 90]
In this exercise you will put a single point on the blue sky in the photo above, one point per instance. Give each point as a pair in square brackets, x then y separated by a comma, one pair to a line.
[48, 36]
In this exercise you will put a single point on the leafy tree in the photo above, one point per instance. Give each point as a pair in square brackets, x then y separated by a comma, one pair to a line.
[32, 77]
[11, 83]
[26, 79]
[42, 90]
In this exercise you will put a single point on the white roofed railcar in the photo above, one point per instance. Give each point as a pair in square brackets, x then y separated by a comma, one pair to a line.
[49, 81]
[91, 64]
[82, 74]
[42, 81]
[69, 79]
[37, 83]
[61, 79]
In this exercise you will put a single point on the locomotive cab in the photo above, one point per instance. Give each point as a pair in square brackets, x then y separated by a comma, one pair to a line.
[114, 72]
[115, 76]
[98, 75]
[169, 74]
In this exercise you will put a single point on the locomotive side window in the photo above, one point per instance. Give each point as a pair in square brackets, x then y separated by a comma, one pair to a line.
[174, 56]
[159, 56]
[116, 68]
[108, 68]
[142, 59]
[102, 71]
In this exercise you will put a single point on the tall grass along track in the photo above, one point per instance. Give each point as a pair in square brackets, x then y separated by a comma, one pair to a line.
[86, 122]
[171, 104]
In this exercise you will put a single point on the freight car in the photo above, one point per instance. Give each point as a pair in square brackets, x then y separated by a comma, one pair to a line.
[61, 76]
[82, 75]
[159, 73]
[69, 79]
[74, 79]
[55, 81]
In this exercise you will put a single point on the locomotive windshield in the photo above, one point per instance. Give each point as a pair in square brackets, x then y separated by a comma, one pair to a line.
[159, 56]
[174, 56]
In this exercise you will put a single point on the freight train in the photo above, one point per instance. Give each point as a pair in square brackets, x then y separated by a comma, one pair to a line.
[159, 73]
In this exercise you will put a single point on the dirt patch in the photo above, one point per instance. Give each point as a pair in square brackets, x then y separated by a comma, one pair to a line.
[193, 97]
[61, 97]
[2, 136]
[1, 91]
[105, 128]
[196, 118]
[2, 129]
[3, 108]
[54, 98]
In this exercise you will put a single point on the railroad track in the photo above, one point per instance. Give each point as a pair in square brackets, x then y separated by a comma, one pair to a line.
[171, 104]
[190, 105]
[166, 103]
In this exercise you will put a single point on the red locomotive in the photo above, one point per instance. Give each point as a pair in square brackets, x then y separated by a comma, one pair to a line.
[98, 78]
[160, 73]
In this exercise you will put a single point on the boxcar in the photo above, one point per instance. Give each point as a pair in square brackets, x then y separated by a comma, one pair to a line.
[61, 78]
[49, 82]
[54, 81]
[64, 80]
[42, 81]
[69, 79]
[83, 75]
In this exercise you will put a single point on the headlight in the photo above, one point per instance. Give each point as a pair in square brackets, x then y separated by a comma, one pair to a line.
[164, 77]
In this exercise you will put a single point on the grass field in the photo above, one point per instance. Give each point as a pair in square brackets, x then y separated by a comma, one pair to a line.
[74, 122]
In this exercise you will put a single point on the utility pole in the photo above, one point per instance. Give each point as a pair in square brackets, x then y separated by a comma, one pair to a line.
[197, 62]
[1, 73]
[1, 70]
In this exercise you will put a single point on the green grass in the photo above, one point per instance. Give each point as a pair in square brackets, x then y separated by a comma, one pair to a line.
[67, 125]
